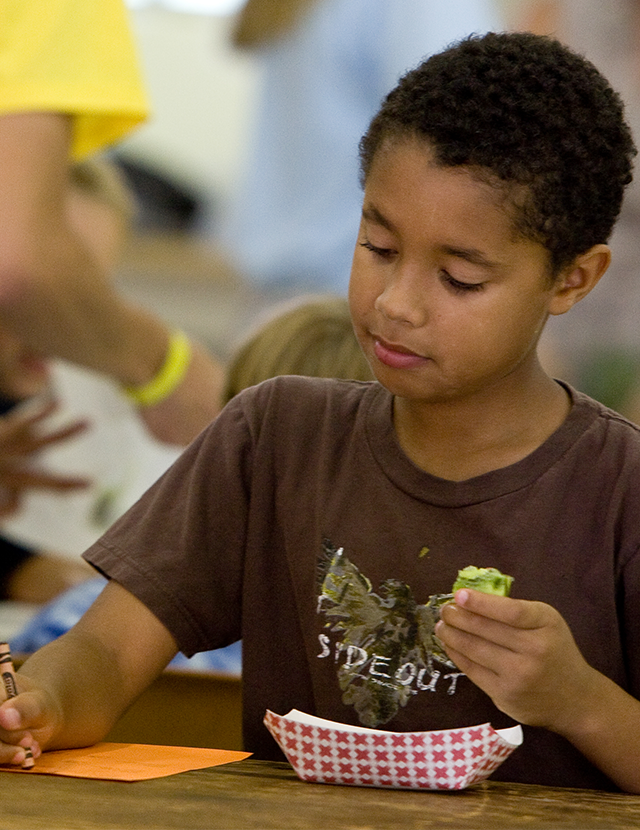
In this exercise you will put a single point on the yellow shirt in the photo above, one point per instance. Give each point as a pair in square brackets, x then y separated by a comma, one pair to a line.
[76, 57]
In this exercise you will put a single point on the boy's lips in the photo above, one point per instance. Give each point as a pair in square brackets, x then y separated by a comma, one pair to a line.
[395, 356]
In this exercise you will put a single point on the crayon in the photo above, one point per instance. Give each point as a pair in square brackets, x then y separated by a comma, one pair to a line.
[9, 681]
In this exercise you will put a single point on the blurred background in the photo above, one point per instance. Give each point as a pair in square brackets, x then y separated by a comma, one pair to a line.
[187, 166]
[184, 164]
[187, 162]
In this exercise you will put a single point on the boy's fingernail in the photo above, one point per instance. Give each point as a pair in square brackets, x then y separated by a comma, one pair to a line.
[462, 596]
[19, 757]
[438, 627]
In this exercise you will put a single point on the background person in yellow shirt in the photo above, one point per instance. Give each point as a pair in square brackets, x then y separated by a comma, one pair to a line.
[69, 86]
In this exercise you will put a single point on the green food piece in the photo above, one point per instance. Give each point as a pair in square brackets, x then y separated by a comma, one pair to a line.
[488, 580]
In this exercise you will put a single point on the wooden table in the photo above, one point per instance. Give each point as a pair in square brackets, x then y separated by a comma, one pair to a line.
[258, 794]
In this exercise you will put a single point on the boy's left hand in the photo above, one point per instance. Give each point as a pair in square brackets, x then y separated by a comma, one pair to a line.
[521, 653]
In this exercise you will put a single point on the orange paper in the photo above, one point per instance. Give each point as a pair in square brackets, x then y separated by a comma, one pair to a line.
[127, 762]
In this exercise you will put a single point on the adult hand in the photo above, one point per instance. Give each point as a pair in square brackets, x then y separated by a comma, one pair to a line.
[21, 438]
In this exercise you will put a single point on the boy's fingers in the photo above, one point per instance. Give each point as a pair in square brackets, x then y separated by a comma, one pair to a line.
[479, 648]
[10, 718]
[22, 713]
[10, 754]
[26, 721]
[16, 754]
[18, 719]
[514, 612]
[469, 631]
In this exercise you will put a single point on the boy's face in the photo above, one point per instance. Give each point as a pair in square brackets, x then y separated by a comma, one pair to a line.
[446, 299]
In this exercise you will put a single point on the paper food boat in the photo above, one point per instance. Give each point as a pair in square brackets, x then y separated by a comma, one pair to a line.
[327, 752]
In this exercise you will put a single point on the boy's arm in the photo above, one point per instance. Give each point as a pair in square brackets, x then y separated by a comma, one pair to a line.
[74, 689]
[523, 655]
[54, 296]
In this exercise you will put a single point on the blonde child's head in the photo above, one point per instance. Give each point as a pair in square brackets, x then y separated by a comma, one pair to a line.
[308, 336]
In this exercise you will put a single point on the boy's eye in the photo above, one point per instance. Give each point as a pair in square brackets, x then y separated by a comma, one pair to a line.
[456, 285]
[385, 253]
[461, 287]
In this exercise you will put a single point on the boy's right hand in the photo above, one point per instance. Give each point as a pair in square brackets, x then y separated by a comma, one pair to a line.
[27, 720]
[74, 689]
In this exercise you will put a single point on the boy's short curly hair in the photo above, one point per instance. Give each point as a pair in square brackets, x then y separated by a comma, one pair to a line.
[528, 111]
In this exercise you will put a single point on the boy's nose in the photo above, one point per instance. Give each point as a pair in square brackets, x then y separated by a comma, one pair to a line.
[403, 298]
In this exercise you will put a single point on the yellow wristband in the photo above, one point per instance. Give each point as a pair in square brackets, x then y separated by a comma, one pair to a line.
[168, 378]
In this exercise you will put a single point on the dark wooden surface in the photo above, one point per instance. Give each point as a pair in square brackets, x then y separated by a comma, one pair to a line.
[256, 794]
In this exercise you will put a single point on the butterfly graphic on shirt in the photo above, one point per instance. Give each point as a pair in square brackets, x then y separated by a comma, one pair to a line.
[388, 648]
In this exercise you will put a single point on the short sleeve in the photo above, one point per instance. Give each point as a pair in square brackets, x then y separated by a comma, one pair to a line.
[76, 57]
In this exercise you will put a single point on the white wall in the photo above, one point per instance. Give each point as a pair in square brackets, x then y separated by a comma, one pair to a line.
[202, 95]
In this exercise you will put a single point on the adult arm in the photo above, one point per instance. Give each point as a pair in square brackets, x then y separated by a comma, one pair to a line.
[73, 690]
[523, 655]
[55, 297]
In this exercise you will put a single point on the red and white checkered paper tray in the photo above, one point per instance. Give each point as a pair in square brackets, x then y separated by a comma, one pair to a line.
[336, 753]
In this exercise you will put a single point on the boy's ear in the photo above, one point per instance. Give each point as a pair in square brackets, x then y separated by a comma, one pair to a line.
[577, 279]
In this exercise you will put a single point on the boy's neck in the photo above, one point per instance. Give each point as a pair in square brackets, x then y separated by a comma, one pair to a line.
[461, 440]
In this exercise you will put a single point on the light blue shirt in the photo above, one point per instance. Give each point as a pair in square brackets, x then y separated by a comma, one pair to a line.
[294, 221]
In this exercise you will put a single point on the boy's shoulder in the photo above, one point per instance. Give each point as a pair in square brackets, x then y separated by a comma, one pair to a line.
[600, 411]
[604, 427]
[295, 413]
[311, 408]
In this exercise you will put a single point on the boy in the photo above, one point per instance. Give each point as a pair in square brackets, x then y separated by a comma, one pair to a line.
[321, 520]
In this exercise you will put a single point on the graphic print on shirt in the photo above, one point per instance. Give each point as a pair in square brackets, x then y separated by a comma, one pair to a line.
[387, 651]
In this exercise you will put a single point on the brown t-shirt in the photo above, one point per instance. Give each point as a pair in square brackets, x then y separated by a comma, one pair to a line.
[296, 522]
